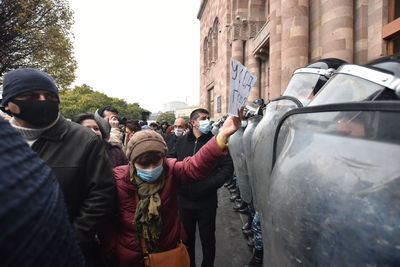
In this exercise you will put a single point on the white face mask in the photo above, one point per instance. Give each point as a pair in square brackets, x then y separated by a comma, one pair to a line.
[178, 131]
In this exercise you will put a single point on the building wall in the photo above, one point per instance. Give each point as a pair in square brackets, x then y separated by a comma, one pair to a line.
[215, 74]
[172, 105]
[184, 111]
[274, 37]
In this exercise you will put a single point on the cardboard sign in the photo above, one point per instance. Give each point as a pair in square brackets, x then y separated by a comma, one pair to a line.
[242, 81]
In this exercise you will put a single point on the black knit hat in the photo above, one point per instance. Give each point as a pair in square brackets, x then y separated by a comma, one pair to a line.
[26, 79]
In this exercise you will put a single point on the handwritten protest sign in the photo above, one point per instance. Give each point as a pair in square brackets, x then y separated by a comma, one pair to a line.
[241, 83]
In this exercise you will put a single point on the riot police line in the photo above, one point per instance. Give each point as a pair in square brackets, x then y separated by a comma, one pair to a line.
[320, 165]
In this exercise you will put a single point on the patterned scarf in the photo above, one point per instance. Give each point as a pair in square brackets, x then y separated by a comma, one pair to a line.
[147, 217]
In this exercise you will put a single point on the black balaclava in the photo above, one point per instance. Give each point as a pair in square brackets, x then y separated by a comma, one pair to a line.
[36, 112]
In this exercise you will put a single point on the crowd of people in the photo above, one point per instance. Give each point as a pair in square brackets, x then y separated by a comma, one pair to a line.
[131, 190]
[101, 190]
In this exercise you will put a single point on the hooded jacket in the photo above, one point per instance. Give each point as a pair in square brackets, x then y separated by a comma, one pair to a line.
[201, 194]
[121, 239]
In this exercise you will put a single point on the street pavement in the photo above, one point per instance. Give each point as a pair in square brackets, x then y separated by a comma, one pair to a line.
[232, 249]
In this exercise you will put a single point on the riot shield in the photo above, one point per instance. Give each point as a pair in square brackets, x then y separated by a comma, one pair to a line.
[334, 194]
[353, 83]
[236, 151]
[299, 90]
[252, 123]
[261, 150]
[302, 83]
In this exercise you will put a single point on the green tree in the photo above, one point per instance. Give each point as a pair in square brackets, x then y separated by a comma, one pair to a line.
[37, 33]
[187, 119]
[168, 116]
[84, 99]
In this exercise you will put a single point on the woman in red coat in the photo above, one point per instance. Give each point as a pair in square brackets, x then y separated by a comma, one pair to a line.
[155, 179]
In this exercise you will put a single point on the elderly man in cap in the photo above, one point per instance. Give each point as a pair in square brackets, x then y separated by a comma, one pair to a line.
[75, 154]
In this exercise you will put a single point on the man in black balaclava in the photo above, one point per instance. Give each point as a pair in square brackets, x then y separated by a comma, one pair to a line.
[75, 154]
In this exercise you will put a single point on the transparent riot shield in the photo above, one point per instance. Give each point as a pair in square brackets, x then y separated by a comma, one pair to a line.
[252, 123]
[334, 194]
[261, 150]
[353, 83]
[297, 94]
[236, 151]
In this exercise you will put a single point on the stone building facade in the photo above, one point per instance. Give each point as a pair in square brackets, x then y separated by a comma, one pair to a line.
[272, 38]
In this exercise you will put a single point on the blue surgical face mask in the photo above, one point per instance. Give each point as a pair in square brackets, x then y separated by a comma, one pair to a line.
[204, 126]
[150, 175]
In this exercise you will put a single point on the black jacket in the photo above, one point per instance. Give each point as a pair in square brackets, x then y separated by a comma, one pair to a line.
[78, 160]
[170, 140]
[202, 194]
[115, 154]
[35, 230]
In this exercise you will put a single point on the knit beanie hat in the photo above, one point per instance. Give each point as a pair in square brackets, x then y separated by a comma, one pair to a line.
[145, 141]
[26, 79]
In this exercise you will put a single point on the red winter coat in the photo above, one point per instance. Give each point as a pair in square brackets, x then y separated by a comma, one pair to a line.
[122, 239]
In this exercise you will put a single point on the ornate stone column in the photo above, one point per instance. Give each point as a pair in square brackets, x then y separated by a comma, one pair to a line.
[237, 50]
[315, 31]
[254, 67]
[275, 49]
[337, 29]
[295, 39]
[361, 32]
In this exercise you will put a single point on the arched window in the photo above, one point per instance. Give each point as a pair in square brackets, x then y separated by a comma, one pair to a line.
[215, 38]
[210, 47]
[205, 53]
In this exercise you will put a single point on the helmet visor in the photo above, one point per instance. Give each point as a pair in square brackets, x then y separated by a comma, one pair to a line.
[345, 88]
[301, 86]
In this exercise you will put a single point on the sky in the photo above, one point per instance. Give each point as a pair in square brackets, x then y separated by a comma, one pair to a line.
[141, 51]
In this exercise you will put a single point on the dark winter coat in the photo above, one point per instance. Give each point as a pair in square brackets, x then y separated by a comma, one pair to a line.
[202, 194]
[122, 241]
[115, 154]
[35, 230]
[170, 140]
[80, 165]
